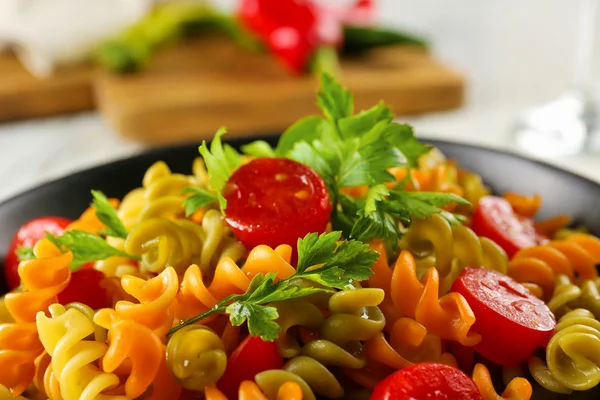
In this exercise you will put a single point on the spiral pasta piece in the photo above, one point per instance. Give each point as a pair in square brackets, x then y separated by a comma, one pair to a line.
[4, 313]
[526, 206]
[271, 389]
[196, 357]
[141, 347]
[572, 355]
[63, 336]
[564, 293]
[155, 309]
[195, 297]
[160, 195]
[354, 318]
[263, 259]
[313, 377]
[5, 394]
[44, 379]
[517, 389]
[448, 317]
[295, 313]
[589, 298]
[161, 242]
[117, 266]
[450, 249]
[43, 278]
[576, 257]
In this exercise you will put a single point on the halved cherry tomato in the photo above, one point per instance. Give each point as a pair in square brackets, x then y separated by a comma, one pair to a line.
[511, 321]
[251, 357]
[85, 287]
[494, 218]
[427, 381]
[275, 201]
[27, 236]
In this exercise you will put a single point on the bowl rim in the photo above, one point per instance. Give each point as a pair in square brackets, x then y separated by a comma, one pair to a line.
[236, 142]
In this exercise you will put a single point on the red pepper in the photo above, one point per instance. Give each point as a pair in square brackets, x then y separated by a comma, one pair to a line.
[294, 29]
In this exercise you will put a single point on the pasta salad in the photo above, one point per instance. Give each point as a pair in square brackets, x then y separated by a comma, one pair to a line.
[350, 261]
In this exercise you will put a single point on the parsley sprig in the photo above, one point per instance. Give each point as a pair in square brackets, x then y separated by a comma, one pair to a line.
[320, 259]
[107, 214]
[25, 253]
[346, 149]
[88, 247]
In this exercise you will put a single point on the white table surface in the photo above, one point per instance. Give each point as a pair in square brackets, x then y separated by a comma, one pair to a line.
[513, 56]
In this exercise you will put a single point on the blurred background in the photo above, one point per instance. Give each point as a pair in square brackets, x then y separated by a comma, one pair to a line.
[466, 71]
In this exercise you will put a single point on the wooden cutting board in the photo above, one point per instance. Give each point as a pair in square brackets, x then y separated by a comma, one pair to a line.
[22, 95]
[190, 90]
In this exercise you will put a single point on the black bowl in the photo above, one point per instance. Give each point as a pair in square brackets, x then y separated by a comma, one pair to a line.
[563, 192]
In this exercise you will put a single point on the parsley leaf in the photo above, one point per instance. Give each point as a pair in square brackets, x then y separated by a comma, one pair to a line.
[199, 198]
[354, 259]
[368, 165]
[107, 214]
[424, 204]
[261, 319]
[86, 247]
[402, 137]
[307, 154]
[316, 249]
[220, 162]
[25, 253]
[334, 100]
[374, 221]
[259, 148]
[359, 124]
[383, 207]
[306, 129]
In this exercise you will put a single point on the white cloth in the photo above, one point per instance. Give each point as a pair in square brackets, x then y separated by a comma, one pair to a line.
[46, 33]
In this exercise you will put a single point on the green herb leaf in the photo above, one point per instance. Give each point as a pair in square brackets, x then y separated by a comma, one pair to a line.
[199, 198]
[86, 247]
[306, 154]
[220, 162]
[422, 204]
[334, 100]
[375, 194]
[259, 148]
[251, 305]
[354, 259]
[107, 214]
[402, 137]
[378, 224]
[368, 165]
[306, 130]
[316, 249]
[25, 253]
[359, 124]
[261, 319]
[330, 277]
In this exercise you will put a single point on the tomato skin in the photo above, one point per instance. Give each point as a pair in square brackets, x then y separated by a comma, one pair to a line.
[251, 357]
[432, 381]
[276, 201]
[511, 321]
[85, 287]
[495, 219]
[27, 236]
